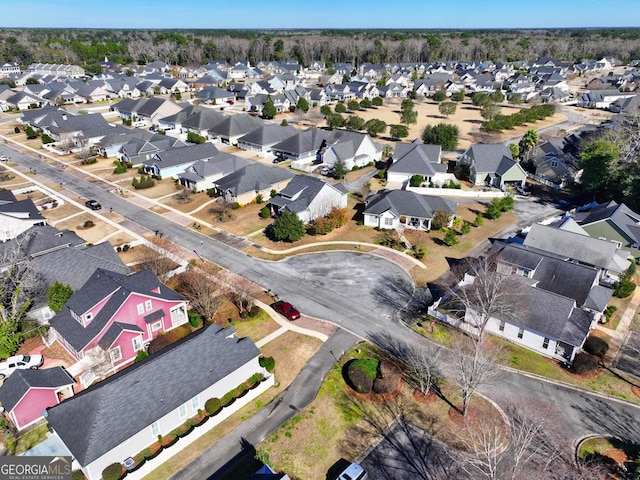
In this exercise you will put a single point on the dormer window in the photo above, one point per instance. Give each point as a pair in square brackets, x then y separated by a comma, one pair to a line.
[88, 317]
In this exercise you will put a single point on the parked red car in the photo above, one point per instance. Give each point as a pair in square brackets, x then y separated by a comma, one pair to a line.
[286, 309]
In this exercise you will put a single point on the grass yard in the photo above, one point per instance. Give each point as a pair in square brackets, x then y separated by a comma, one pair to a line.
[241, 221]
[256, 328]
[27, 441]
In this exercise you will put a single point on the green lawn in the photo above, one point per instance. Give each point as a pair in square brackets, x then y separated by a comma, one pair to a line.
[28, 440]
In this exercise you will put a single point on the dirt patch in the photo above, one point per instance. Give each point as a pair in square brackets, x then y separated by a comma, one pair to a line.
[616, 455]
[636, 391]
[430, 397]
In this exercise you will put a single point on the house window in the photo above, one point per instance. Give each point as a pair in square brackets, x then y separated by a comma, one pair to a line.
[155, 429]
[554, 163]
[137, 344]
[501, 327]
[182, 411]
[116, 354]
[545, 343]
[140, 308]
[388, 222]
[147, 305]
[195, 403]
[156, 326]
[520, 332]
[88, 317]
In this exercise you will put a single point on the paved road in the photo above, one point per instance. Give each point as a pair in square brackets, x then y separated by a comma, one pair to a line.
[362, 293]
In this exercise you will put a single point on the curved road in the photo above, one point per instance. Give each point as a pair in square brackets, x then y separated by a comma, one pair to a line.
[362, 293]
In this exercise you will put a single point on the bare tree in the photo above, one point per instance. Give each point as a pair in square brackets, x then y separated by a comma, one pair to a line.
[241, 293]
[474, 363]
[528, 446]
[86, 151]
[627, 135]
[20, 286]
[421, 367]
[487, 291]
[202, 290]
[161, 257]
[220, 209]
[184, 195]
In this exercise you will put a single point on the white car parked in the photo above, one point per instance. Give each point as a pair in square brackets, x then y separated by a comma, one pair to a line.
[19, 361]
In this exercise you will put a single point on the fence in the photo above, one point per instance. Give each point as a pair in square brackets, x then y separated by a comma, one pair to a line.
[544, 181]
[454, 192]
[454, 322]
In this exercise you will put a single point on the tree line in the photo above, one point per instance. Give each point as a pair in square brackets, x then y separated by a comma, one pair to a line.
[194, 47]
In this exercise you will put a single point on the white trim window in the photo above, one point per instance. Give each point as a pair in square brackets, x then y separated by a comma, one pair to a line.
[195, 403]
[148, 305]
[140, 307]
[182, 411]
[137, 343]
[156, 326]
[116, 354]
[155, 429]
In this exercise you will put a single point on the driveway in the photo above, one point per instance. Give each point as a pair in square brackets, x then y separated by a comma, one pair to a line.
[628, 357]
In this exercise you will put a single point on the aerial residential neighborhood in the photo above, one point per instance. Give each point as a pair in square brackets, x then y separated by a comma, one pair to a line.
[320, 255]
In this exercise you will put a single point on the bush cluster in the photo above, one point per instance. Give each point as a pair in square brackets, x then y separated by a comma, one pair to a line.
[268, 363]
[195, 138]
[361, 373]
[336, 218]
[112, 472]
[144, 182]
[596, 346]
[625, 287]
[508, 122]
[499, 205]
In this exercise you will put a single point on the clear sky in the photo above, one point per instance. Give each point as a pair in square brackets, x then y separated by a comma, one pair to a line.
[319, 14]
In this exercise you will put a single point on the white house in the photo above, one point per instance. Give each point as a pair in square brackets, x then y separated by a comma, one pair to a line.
[118, 418]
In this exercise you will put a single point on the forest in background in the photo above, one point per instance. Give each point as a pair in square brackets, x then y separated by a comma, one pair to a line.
[195, 47]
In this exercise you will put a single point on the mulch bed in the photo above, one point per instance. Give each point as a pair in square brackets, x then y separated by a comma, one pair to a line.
[377, 397]
[456, 417]
[430, 397]
[636, 391]
[618, 456]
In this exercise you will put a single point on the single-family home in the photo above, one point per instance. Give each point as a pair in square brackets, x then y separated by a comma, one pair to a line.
[416, 158]
[145, 112]
[202, 120]
[245, 184]
[231, 128]
[114, 316]
[309, 198]
[390, 209]
[553, 164]
[576, 245]
[215, 95]
[27, 393]
[203, 174]
[614, 222]
[121, 416]
[17, 216]
[491, 165]
[170, 163]
[136, 151]
[353, 149]
[264, 137]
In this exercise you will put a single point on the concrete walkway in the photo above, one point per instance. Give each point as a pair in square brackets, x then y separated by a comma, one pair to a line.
[620, 333]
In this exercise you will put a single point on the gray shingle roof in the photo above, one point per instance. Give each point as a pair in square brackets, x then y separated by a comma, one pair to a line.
[40, 240]
[417, 159]
[253, 177]
[105, 415]
[269, 134]
[588, 250]
[221, 163]
[299, 193]
[204, 119]
[405, 203]
[309, 140]
[236, 125]
[491, 157]
[621, 215]
[115, 330]
[179, 156]
[20, 381]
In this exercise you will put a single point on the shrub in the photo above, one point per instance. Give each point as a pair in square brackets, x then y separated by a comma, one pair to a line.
[259, 198]
[112, 472]
[494, 209]
[213, 406]
[416, 180]
[120, 168]
[148, 183]
[479, 220]
[228, 397]
[255, 379]
[287, 227]
[195, 138]
[194, 320]
[466, 228]
[623, 288]
[89, 161]
[46, 138]
[141, 355]
[16, 130]
[235, 206]
[268, 363]
[584, 363]
[265, 212]
[596, 346]
[361, 373]
[420, 251]
[451, 238]
[609, 311]
[211, 192]
[440, 220]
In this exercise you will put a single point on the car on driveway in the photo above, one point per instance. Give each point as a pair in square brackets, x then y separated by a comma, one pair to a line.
[4, 158]
[92, 204]
[287, 310]
[19, 362]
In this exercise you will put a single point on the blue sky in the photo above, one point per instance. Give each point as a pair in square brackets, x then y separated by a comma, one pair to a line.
[319, 14]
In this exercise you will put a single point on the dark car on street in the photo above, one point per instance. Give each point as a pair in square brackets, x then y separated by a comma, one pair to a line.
[286, 309]
[92, 204]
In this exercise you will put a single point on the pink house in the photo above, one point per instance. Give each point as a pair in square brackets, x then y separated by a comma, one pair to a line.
[119, 314]
[26, 394]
